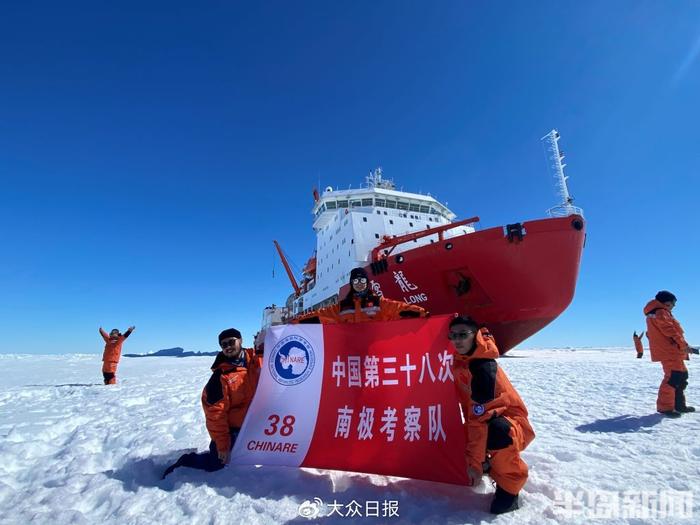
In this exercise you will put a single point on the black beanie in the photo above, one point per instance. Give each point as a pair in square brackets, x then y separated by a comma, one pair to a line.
[665, 296]
[229, 332]
[358, 272]
[465, 320]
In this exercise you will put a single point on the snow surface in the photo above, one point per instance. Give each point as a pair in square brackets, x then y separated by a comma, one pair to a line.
[75, 451]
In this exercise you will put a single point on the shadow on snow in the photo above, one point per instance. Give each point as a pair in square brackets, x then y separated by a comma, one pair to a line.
[623, 424]
[418, 501]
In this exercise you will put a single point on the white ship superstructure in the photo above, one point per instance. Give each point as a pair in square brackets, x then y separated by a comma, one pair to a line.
[350, 223]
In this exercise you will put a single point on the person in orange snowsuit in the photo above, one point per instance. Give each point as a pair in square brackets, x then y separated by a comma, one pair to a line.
[668, 346]
[496, 420]
[112, 353]
[361, 305]
[225, 400]
[638, 344]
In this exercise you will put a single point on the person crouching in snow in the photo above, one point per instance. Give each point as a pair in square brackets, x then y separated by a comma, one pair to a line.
[496, 422]
[225, 399]
[667, 345]
[112, 353]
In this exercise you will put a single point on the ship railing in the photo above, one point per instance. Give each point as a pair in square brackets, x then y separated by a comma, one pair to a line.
[384, 248]
[564, 210]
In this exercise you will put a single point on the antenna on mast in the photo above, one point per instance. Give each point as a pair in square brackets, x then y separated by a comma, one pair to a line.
[375, 180]
[556, 158]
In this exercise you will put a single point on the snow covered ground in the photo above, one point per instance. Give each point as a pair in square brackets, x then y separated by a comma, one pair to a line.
[75, 451]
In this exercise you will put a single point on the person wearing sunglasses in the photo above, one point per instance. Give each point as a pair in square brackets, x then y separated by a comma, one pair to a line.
[112, 353]
[668, 346]
[496, 420]
[225, 399]
[361, 305]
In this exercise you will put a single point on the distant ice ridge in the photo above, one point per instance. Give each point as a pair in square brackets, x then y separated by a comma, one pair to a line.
[172, 352]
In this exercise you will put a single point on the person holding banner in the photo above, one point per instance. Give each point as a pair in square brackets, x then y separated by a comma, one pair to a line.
[496, 420]
[361, 305]
[225, 400]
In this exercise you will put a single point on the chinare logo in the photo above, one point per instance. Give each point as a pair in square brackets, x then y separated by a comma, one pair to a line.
[292, 360]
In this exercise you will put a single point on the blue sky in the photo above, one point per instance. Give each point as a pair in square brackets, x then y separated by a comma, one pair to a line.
[150, 152]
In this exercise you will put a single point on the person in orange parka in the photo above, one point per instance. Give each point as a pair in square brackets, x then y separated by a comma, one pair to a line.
[225, 400]
[638, 344]
[496, 420]
[112, 353]
[361, 305]
[668, 346]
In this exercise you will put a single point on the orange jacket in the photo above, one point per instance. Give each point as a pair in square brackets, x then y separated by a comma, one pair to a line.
[666, 341]
[228, 394]
[113, 348]
[483, 398]
[638, 345]
[373, 309]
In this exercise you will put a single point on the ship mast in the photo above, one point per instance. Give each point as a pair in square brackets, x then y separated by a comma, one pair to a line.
[556, 158]
[375, 180]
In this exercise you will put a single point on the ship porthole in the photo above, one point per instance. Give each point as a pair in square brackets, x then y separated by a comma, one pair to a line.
[399, 259]
[448, 246]
[577, 224]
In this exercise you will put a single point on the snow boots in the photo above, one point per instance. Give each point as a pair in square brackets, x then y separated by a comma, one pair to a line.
[503, 501]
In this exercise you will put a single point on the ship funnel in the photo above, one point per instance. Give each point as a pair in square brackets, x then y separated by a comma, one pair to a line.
[555, 157]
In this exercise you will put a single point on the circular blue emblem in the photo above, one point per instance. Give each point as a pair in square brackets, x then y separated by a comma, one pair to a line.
[292, 360]
[478, 410]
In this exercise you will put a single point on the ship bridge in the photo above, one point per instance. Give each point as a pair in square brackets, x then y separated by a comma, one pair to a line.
[350, 223]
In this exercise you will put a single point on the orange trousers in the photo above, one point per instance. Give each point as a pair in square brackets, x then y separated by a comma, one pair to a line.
[671, 391]
[507, 468]
[109, 372]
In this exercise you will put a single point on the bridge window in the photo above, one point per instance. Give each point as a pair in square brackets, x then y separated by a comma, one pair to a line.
[342, 204]
[402, 205]
[424, 209]
[367, 202]
[330, 205]
[414, 207]
[380, 202]
[355, 204]
[391, 204]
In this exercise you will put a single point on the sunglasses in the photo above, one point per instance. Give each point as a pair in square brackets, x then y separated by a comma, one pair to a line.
[226, 344]
[458, 336]
[358, 280]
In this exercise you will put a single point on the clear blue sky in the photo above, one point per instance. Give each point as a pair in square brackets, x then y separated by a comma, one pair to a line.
[151, 151]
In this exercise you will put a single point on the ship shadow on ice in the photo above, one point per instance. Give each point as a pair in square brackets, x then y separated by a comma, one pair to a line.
[623, 424]
[416, 498]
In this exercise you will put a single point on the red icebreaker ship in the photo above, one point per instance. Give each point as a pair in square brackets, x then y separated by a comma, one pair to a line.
[516, 279]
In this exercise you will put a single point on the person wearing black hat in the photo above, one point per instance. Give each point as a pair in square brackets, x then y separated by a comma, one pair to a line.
[225, 399]
[361, 305]
[495, 417]
[667, 345]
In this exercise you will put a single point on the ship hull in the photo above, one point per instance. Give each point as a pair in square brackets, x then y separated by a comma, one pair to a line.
[514, 284]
